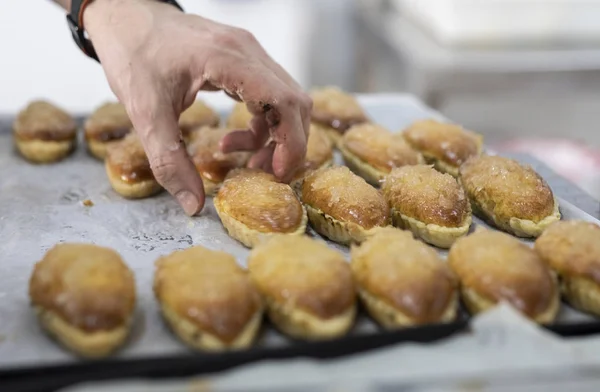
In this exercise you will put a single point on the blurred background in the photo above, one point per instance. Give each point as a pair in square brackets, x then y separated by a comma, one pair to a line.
[525, 73]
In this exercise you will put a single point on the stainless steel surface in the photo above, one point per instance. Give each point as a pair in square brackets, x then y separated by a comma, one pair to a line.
[42, 205]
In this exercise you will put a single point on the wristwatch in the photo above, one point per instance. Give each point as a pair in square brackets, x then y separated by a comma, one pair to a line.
[75, 22]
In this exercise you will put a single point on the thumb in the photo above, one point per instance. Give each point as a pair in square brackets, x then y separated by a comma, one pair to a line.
[170, 163]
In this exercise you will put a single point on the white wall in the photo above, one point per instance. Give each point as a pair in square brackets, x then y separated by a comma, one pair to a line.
[44, 62]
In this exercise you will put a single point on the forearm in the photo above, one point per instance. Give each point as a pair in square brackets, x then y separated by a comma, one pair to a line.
[66, 4]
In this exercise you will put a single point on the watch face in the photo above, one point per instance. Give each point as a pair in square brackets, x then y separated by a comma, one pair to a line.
[78, 32]
[80, 39]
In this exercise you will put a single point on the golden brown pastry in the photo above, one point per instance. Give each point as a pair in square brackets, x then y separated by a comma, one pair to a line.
[493, 267]
[336, 111]
[372, 151]
[403, 282]
[240, 117]
[211, 163]
[307, 287]
[342, 206]
[444, 145]
[430, 204]
[207, 299]
[128, 169]
[319, 154]
[572, 250]
[511, 196]
[109, 123]
[44, 133]
[253, 207]
[195, 117]
[84, 296]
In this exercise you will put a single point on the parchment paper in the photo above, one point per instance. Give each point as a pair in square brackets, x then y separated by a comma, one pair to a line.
[42, 205]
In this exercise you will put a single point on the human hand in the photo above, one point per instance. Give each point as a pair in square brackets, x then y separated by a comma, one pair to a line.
[157, 58]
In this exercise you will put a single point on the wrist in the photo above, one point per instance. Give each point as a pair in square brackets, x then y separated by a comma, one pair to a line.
[97, 13]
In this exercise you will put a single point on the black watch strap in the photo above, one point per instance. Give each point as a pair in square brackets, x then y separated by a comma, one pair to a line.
[75, 22]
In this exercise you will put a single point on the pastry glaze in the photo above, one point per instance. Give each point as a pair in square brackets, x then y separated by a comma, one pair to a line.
[336, 111]
[44, 133]
[307, 286]
[512, 196]
[207, 291]
[213, 165]
[402, 281]
[446, 146]
[431, 204]
[109, 123]
[252, 206]
[572, 250]
[128, 168]
[85, 296]
[493, 266]
[342, 206]
[372, 151]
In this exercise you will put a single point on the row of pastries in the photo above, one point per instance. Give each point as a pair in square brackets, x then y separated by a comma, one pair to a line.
[85, 295]
[432, 176]
[45, 133]
[428, 180]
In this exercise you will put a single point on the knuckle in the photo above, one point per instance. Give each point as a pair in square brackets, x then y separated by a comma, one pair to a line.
[289, 98]
[245, 35]
[164, 169]
[226, 38]
[234, 37]
[306, 102]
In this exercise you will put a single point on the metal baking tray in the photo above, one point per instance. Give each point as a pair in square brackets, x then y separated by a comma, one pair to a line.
[42, 205]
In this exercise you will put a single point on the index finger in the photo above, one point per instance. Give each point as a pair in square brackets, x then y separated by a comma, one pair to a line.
[290, 138]
[156, 124]
[263, 91]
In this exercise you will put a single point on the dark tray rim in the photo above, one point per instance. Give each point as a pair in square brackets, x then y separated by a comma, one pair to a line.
[190, 364]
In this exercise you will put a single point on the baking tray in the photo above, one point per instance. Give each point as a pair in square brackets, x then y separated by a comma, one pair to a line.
[42, 205]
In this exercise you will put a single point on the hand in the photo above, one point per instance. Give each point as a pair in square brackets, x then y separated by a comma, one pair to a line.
[157, 58]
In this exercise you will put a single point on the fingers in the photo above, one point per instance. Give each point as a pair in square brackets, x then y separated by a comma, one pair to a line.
[305, 102]
[286, 108]
[239, 141]
[250, 140]
[263, 159]
[170, 163]
[290, 138]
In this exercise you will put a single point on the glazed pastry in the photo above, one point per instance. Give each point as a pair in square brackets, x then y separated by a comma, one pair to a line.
[342, 206]
[207, 299]
[572, 250]
[403, 282]
[240, 117]
[306, 286]
[44, 133]
[336, 111]
[195, 117]
[211, 163]
[511, 196]
[319, 154]
[253, 207]
[493, 267]
[372, 151]
[444, 145]
[108, 124]
[84, 296]
[128, 169]
[430, 204]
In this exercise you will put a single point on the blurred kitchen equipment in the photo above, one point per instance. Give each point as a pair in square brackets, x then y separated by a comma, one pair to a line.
[506, 22]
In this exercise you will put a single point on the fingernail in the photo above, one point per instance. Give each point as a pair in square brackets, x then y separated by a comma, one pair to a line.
[188, 202]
